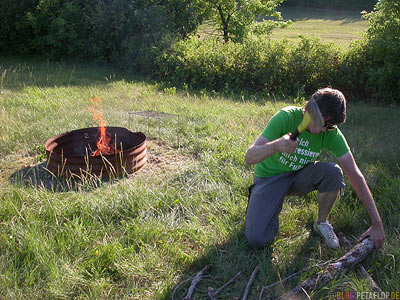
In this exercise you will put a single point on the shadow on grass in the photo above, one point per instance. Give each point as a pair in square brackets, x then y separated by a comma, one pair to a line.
[234, 256]
[226, 261]
[39, 177]
[22, 72]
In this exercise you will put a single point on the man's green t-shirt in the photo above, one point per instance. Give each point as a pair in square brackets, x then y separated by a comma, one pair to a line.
[309, 146]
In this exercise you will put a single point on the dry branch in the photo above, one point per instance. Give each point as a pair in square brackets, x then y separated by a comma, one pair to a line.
[249, 284]
[195, 281]
[213, 293]
[360, 268]
[342, 265]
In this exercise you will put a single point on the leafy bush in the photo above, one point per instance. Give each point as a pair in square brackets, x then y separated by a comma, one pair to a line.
[263, 64]
[15, 31]
[146, 36]
[312, 65]
[257, 64]
[59, 28]
[125, 32]
[197, 63]
[371, 67]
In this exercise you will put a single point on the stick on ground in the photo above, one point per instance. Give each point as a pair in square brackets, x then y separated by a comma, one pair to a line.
[249, 284]
[195, 281]
[213, 293]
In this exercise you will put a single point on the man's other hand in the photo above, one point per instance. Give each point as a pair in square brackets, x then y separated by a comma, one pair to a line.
[377, 234]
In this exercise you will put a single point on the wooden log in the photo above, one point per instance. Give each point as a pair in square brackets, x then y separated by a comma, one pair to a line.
[360, 268]
[342, 265]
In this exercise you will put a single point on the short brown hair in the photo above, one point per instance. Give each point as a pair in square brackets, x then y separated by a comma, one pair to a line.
[332, 104]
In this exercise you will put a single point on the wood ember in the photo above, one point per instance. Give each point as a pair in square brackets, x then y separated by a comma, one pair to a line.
[212, 294]
[195, 281]
[342, 265]
[360, 268]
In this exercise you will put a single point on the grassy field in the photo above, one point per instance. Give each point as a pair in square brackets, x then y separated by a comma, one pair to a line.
[144, 236]
[340, 27]
[336, 26]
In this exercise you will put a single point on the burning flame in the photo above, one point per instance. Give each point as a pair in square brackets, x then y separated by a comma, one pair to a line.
[103, 144]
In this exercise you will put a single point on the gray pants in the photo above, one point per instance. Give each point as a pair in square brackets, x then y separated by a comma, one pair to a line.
[267, 194]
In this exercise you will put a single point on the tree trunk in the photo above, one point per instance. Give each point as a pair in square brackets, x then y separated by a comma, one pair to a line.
[225, 23]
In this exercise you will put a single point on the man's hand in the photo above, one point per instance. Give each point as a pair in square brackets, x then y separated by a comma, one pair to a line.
[285, 144]
[377, 234]
[263, 148]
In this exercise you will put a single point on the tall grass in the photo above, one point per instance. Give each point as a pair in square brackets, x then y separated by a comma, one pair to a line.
[139, 237]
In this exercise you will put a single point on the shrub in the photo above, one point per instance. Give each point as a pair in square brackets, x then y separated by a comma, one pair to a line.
[371, 67]
[15, 31]
[125, 32]
[312, 65]
[256, 65]
[205, 64]
[59, 28]
[262, 64]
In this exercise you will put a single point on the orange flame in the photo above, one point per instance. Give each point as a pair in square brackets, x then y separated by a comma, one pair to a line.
[103, 144]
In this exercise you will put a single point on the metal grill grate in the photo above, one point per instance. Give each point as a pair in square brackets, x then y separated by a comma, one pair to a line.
[156, 115]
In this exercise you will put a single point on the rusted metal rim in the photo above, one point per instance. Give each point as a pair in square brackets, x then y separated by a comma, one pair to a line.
[70, 153]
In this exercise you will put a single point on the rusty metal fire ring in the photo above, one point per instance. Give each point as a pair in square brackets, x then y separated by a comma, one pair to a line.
[69, 153]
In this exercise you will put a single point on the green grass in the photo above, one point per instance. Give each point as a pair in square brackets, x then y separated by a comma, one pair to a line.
[336, 26]
[139, 237]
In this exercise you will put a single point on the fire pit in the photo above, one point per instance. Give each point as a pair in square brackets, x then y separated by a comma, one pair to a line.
[82, 152]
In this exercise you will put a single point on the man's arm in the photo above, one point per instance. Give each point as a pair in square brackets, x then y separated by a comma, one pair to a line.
[263, 148]
[361, 188]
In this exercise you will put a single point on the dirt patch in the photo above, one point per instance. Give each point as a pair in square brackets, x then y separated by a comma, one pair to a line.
[162, 160]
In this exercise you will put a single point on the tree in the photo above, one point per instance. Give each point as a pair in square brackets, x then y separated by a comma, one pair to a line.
[237, 18]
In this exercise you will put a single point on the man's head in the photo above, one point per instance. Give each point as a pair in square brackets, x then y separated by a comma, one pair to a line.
[332, 105]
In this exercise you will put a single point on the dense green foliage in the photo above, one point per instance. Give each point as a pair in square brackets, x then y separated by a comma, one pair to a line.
[372, 66]
[257, 64]
[124, 32]
[155, 37]
[15, 30]
[368, 70]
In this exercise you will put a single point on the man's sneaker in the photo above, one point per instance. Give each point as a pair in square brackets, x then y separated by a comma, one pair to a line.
[325, 230]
